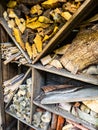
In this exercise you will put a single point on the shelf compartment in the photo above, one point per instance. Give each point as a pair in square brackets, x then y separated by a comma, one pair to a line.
[63, 113]
[63, 72]
[26, 76]
[7, 111]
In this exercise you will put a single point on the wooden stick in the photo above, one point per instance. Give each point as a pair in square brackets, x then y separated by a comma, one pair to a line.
[54, 121]
[60, 123]
[12, 58]
[55, 87]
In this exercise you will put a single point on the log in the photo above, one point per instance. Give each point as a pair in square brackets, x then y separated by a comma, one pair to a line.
[83, 51]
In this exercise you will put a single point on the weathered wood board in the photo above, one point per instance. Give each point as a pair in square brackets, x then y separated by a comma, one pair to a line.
[79, 95]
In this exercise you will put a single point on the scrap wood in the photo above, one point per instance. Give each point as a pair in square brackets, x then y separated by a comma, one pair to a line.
[45, 60]
[11, 23]
[66, 15]
[37, 24]
[77, 125]
[60, 123]
[36, 9]
[50, 88]
[35, 53]
[11, 4]
[66, 106]
[38, 42]
[56, 63]
[67, 127]
[54, 121]
[11, 13]
[92, 104]
[29, 49]
[44, 19]
[87, 117]
[46, 37]
[21, 24]
[18, 38]
[12, 58]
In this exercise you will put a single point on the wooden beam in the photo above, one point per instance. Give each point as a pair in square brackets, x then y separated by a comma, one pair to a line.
[2, 38]
[2, 113]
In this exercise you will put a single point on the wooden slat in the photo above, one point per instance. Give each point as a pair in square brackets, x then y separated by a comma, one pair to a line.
[63, 72]
[2, 113]
[19, 125]
[8, 30]
[37, 82]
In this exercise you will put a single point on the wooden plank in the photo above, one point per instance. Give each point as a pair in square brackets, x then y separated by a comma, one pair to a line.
[80, 14]
[8, 30]
[65, 114]
[19, 125]
[37, 82]
[2, 113]
[63, 72]
[2, 31]
[2, 38]
[81, 94]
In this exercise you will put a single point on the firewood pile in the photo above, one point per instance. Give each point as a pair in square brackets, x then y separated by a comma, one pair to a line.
[10, 86]
[49, 121]
[78, 56]
[11, 53]
[21, 102]
[35, 24]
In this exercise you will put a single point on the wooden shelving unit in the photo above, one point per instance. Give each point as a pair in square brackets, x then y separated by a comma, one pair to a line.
[40, 76]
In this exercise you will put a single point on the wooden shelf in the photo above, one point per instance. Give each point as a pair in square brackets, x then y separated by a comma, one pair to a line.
[38, 78]
[55, 109]
[63, 72]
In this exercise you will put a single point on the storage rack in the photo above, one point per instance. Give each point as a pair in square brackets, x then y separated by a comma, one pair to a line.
[38, 74]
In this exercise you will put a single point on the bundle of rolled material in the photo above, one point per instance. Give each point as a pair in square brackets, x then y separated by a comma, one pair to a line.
[83, 50]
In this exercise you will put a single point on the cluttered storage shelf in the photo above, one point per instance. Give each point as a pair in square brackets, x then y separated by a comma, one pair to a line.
[49, 64]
